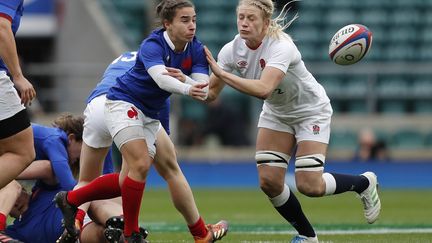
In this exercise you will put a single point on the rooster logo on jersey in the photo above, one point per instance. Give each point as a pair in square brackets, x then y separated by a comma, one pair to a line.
[187, 63]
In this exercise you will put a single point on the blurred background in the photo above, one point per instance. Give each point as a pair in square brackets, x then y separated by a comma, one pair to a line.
[382, 105]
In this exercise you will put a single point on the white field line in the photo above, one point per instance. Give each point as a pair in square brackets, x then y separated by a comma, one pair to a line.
[345, 232]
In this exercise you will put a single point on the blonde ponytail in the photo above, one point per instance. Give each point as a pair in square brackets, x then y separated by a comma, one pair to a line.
[280, 23]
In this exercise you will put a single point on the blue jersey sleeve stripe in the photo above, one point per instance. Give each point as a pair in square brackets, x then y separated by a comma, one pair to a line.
[9, 8]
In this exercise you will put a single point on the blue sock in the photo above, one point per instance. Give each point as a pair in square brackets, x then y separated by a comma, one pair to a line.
[291, 210]
[344, 183]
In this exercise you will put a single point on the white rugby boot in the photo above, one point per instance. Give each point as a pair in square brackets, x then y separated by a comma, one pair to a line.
[370, 198]
[304, 239]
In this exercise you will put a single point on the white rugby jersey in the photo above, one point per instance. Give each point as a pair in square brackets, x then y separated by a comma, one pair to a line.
[298, 95]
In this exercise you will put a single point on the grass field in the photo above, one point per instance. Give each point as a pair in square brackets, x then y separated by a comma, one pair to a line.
[406, 216]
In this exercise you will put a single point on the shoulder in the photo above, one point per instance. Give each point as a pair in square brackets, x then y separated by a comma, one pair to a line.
[196, 43]
[154, 38]
[197, 46]
[283, 44]
[229, 47]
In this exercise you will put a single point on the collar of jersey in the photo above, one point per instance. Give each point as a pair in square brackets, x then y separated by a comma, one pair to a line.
[170, 43]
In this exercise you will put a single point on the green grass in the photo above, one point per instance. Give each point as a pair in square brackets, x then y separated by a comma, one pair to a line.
[253, 219]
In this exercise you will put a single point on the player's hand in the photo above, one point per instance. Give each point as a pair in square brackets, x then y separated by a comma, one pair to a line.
[175, 73]
[198, 91]
[26, 90]
[21, 205]
[212, 63]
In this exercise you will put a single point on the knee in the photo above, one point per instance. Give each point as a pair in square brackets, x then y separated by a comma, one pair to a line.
[142, 167]
[167, 168]
[310, 189]
[270, 187]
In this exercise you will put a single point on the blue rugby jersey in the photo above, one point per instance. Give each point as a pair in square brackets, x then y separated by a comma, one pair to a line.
[137, 87]
[117, 68]
[42, 220]
[12, 10]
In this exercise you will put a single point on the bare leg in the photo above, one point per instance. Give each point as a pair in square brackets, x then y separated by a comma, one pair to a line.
[167, 166]
[92, 233]
[16, 153]
[91, 165]
[8, 196]
[101, 210]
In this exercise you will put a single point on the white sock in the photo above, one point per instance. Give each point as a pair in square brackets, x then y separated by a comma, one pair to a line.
[282, 198]
[330, 183]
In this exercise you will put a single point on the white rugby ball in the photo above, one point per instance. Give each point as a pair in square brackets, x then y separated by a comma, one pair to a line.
[350, 44]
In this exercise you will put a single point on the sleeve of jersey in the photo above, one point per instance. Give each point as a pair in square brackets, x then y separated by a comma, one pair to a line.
[151, 53]
[8, 9]
[167, 82]
[282, 55]
[225, 58]
[58, 156]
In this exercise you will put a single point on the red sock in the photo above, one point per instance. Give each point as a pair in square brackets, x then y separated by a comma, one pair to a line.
[103, 187]
[198, 229]
[2, 222]
[132, 192]
[79, 218]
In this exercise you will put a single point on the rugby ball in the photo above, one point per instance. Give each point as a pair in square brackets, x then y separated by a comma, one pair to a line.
[350, 44]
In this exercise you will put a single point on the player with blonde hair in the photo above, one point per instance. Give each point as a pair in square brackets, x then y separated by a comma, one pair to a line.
[296, 113]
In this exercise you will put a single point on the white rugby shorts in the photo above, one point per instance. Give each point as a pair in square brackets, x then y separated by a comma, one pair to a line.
[312, 128]
[10, 102]
[96, 133]
[124, 117]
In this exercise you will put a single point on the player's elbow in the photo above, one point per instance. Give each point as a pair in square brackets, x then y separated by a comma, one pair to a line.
[211, 97]
[265, 93]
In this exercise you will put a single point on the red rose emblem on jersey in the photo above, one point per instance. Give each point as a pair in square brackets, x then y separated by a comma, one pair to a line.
[132, 113]
[262, 63]
[315, 129]
[187, 63]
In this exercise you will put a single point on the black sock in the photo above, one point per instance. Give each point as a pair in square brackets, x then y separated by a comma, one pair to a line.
[357, 183]
[293, 213]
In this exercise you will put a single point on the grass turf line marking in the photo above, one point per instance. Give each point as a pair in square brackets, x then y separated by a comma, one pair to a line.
[345, 232]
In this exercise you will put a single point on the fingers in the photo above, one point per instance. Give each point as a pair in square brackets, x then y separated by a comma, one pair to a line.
[27, 96]
[171, 69]
[175, 73]
[198, 93]
[201, 85]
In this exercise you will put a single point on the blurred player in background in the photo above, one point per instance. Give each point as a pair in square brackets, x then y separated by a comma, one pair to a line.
[16, 136]
[131, 115]
[296, 113]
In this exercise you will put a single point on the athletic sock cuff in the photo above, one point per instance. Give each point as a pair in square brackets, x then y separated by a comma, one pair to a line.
[282, 198]
[136, 185]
